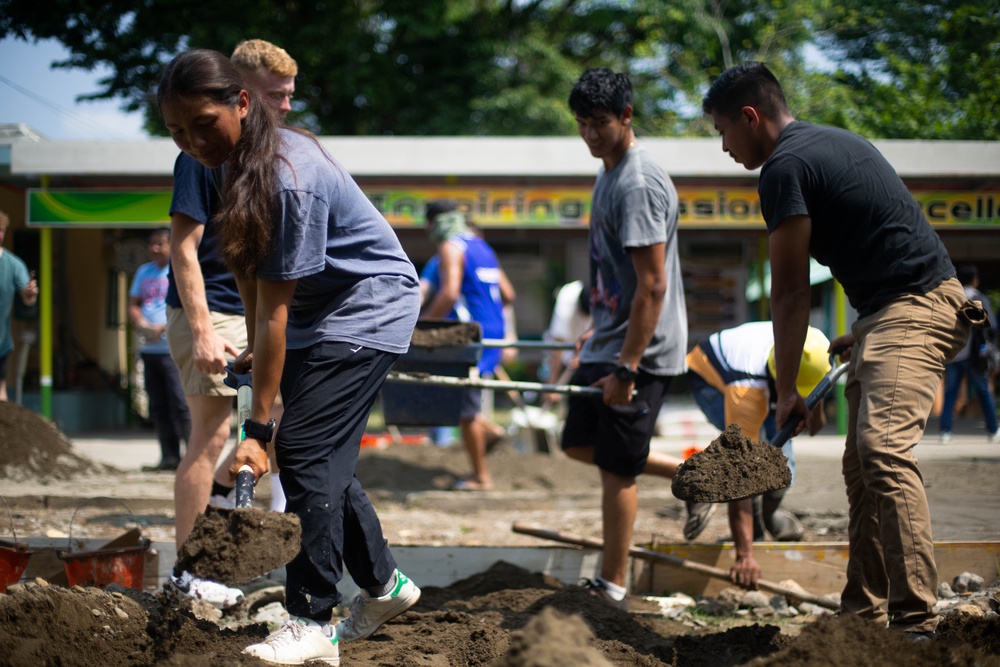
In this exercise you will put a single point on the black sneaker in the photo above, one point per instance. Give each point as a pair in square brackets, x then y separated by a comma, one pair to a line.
[162, 466]
[599, 591]
[920, 637]
[697, 521]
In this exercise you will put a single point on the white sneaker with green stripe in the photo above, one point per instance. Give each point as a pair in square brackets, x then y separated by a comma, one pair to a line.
[298, 641]
[369, 613]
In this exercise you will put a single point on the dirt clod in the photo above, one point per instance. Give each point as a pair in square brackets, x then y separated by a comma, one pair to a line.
[236, 546]
[732, 467]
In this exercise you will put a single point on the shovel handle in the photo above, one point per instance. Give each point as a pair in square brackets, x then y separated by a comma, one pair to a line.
[814, 397]
[244, 488]
[675, 561]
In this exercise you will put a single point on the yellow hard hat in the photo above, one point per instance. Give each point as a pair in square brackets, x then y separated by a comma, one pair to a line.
[815, 361]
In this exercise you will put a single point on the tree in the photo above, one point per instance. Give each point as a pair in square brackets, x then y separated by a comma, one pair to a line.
[921, 70]
[505, 67]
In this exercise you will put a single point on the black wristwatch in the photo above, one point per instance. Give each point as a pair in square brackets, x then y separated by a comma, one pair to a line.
[626, 374]
[262, 432]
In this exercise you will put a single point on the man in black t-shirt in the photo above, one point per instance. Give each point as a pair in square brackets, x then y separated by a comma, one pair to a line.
[829, 193]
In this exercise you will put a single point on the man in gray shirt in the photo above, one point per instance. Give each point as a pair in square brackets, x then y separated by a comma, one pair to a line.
[639, 337]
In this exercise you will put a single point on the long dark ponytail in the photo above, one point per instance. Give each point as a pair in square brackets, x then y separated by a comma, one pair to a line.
[246, 215]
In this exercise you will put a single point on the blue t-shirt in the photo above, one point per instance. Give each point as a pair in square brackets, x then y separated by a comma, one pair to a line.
[355, 283]
[480, 300]
[197, 194]
[14, 277]
[150, 285]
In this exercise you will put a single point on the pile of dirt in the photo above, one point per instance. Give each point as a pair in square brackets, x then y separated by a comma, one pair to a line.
[434, 333]
[236, 546]
[504, 617]
[35, 449]
[732, 467]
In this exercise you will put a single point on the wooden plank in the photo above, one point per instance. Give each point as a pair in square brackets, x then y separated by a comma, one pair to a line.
[818, 567]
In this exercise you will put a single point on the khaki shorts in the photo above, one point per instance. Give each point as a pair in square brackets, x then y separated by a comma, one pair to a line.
[230, 327]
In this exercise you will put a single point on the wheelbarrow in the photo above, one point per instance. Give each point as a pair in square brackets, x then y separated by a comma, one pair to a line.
[425, 385]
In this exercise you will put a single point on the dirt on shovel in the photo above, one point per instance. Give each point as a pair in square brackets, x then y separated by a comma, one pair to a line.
[732, 467]
[236, 546]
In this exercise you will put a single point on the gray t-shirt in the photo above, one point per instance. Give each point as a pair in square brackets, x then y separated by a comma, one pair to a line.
[355, 283]
[634, 205]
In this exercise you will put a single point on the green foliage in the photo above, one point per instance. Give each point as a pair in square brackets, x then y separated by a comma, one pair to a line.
[921, 70]
[505, 67]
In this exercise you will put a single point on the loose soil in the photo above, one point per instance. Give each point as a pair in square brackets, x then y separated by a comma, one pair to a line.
[504, 617]
[732, 467]
[434, 333]
[34, 448]
[236, 546]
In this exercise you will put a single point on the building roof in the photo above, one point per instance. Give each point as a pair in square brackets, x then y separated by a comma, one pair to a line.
[543, 157]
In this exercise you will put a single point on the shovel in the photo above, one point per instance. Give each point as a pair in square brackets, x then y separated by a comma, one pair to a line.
[241, 382]
[236, 546]
[675, 561]
[732, 469]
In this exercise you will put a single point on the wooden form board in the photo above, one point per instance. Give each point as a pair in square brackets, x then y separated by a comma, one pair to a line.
[818, 567]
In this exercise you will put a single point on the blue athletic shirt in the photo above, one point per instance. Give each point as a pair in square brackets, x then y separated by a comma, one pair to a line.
[479, 300]
[197, 195]
[355, 283]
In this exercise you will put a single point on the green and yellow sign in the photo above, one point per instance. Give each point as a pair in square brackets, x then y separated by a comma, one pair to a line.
[538, 207]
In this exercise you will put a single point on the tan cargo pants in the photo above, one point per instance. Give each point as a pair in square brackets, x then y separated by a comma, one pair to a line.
[895, 368]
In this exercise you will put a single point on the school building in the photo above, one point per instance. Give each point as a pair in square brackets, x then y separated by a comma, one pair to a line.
[81, 210]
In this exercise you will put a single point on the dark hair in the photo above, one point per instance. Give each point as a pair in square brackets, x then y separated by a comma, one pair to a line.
[246, 215]
[747, 84]
[966, 273]
[436, 207]
[600, 89]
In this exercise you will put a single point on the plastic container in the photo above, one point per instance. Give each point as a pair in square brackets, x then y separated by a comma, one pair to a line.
[125, 565]
[13, 556]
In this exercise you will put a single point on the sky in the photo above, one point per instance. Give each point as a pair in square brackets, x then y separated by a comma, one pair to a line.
[33, 93]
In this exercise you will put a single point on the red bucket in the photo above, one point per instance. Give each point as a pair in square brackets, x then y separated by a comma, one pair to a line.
[125, 566]
[13, 560]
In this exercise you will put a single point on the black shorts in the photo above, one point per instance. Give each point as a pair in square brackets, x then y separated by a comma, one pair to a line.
[3, 367]
[619, 434]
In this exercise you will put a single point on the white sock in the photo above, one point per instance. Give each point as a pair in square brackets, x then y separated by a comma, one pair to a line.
[327, 628]
[277, 494]
[614, 590]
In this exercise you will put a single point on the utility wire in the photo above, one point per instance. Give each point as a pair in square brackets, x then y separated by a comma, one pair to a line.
[96, 130]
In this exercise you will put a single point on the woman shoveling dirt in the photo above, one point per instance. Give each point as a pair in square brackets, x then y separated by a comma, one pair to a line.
[732, 467]
[331, 302]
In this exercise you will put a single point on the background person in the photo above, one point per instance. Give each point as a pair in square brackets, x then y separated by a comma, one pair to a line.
[965, 365]
[147, 310]
[331, 302]
[731, 376]
[640, 320]
[470, 287]
[206, 327]
[14, 281]
[828, 193]
[570, 320]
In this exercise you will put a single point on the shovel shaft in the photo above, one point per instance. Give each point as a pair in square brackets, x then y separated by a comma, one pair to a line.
[480, 383]
[244, 488]
[676, 561]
